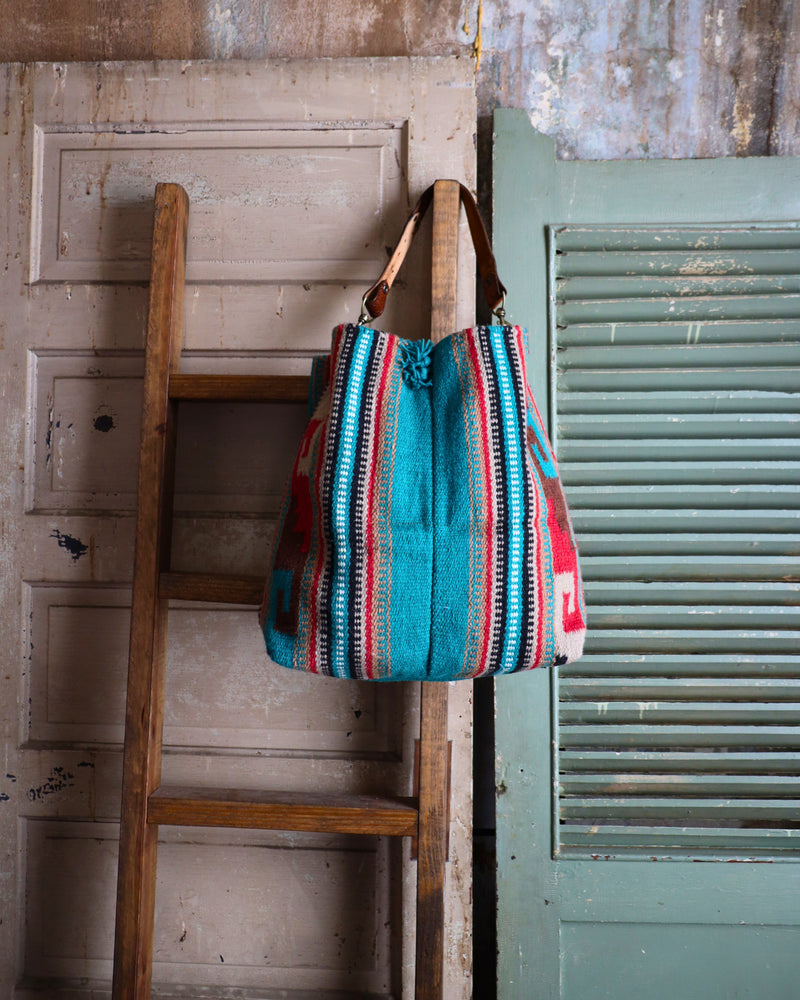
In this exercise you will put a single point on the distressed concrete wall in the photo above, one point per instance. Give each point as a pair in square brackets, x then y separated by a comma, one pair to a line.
[605, 78]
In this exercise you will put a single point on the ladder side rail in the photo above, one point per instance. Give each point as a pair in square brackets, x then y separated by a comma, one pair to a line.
[433, 747]
[133, 946]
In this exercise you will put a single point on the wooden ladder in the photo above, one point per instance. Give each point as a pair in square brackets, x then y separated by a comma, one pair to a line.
[146, 803]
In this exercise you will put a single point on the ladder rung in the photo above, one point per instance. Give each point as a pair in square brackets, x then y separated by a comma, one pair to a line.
[243, 388]
[308, 812]
[220, 588]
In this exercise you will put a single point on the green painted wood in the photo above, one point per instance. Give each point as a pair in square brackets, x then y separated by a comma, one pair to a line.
[606, 427]
[741, 402]
[680, 542]
[683, 761]
[679, 665]
[775, 379]
[697, 243]
[771, 593]
[647, 955]
[680, 356]
[680, 525]
[679, 262]
[673, 307]
[713, 616]
[683, 808]
[654, 497]
[687, 786]
[781, 473]
[663, 311]
[674, 332]
[687, 640]
[638, 688]
[692, 568]
[652, 736]
[680, 713]
[656, 287]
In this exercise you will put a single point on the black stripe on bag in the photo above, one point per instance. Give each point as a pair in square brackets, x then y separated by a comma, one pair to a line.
[339, 379]
[524, 656]
[358, 500]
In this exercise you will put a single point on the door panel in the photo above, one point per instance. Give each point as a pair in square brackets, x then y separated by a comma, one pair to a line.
[662, 298]
[300, 175]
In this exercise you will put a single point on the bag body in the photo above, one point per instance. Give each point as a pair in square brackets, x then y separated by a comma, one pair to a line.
[424, 534]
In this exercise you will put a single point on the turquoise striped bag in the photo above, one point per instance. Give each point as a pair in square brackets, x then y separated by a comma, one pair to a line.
[424, 533]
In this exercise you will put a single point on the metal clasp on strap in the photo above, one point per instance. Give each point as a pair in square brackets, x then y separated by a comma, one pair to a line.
[365, 319]
[500, 311]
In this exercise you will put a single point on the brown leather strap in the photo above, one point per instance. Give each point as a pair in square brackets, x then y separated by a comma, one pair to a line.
[493, 288]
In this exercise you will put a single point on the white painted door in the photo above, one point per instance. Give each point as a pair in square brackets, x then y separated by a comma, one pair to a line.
[300, 175]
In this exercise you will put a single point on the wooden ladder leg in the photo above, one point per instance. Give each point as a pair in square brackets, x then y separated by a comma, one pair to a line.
[433, 749]
[432, 841]
[133, 945]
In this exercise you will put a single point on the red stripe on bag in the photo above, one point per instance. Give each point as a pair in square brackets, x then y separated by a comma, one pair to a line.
[534, 531]
[542, 616]
[480, 392]
[369, 660]
[312, 603]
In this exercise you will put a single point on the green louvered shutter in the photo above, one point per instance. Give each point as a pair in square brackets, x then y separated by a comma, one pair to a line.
[663, 305]
[677, 426]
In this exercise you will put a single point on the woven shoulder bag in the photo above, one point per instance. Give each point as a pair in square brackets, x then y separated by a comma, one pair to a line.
[424, 533]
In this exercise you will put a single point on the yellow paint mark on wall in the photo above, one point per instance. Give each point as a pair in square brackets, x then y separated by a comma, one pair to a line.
[743, 118]
[477, 45]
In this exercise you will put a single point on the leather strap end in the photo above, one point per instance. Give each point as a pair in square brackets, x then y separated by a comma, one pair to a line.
[493, 290]
[375, 299]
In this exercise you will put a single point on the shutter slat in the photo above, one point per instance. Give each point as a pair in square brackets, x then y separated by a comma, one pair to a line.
[690, 471]
[678, 262]
[682, 762]
[625, 524]
[691, 568]
[688, 640]
[583, 287]
[649, 427]
[713, 616]
[699, 808]
[626, 379]
[674, 664]
[679, 688]
[737, 403]
[667, 331]
[672, 357]
[660, 497]
[678, 543]
[656, 842]
[781, 305]
[730, 453]
[703, 239]
[609, 784]
[772, 592]
[651, 736]
[663, 713]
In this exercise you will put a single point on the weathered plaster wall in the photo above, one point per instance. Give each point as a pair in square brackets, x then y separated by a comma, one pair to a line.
[605, 78]
[647, 78]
